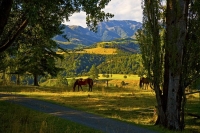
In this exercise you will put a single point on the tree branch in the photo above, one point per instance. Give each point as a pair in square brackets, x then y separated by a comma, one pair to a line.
[9, 42]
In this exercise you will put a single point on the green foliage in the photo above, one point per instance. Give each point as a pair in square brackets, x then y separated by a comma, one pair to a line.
[36, 53]
[119, 64]
[16, 15]
[78, 64]
[81, 64]
[94, 72]
[61, 80]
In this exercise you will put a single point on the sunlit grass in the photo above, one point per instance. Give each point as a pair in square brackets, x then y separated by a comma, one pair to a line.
[99, 50]
[127, 104]
[121, 76]
[18, 119]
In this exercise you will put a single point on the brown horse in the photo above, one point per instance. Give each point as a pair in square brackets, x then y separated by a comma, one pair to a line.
[144, 83]
[81, 81]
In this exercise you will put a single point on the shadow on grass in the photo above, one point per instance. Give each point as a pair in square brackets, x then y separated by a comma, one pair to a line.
[130, 105]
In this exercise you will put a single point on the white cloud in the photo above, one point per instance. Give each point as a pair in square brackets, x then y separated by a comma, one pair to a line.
[77, 19]
[122, 9]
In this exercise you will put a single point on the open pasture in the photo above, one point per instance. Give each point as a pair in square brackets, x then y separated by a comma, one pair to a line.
[131, 81]
[120, 76]
[127, 104]
[99, 50]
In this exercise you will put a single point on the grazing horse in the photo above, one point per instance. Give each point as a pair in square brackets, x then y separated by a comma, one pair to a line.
[144, 83]
[81, 81]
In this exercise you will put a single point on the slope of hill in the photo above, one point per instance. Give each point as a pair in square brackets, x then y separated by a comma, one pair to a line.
[126, 45]
[107, 31]
[117, 46]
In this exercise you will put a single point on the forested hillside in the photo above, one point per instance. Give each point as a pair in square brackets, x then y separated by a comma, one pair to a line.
[76, 64]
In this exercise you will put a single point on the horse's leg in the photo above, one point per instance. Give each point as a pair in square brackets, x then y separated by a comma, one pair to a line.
[147, 86]
[142, 87]
[90, 88]
[140, 84]
[74, 87]
[81, 88]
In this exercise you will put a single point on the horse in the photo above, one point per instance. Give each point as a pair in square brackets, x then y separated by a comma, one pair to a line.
[144, 83]
[81, 81]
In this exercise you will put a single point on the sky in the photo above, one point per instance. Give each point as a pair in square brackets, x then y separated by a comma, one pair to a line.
[122, 9]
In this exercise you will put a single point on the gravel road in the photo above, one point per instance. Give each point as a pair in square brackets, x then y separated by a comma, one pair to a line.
[94, 121]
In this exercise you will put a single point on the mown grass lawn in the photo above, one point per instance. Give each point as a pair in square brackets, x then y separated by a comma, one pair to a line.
[127, 104]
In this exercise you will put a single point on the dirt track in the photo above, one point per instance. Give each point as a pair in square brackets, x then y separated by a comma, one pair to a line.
[94, 121]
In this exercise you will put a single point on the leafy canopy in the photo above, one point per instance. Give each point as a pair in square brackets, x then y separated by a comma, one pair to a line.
[15, 15]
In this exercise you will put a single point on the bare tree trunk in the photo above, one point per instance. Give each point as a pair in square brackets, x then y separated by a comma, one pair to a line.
[176, 32]
[18, 79]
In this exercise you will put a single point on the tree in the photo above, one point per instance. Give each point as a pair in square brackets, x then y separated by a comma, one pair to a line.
[16, 15]
[169, 45]
[61, 79]
[94, 73]
[36, 53]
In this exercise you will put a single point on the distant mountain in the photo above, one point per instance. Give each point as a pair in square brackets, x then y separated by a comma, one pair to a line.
[107, 31]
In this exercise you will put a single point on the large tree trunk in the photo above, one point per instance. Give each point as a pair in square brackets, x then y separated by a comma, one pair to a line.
[5, 8]
[176, 31]
[170, 98]
[36, 80]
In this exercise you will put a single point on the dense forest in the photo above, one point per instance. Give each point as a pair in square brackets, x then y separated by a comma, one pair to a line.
[76, 64]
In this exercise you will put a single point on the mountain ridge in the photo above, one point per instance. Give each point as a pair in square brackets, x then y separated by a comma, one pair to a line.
[107, 31]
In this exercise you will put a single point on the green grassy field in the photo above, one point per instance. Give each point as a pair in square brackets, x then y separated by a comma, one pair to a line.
[126, 104]
[18, 119]
[116, 79]
[115, 76]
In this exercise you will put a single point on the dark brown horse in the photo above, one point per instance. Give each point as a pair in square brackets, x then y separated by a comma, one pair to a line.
[80, 82]
[144, 83]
